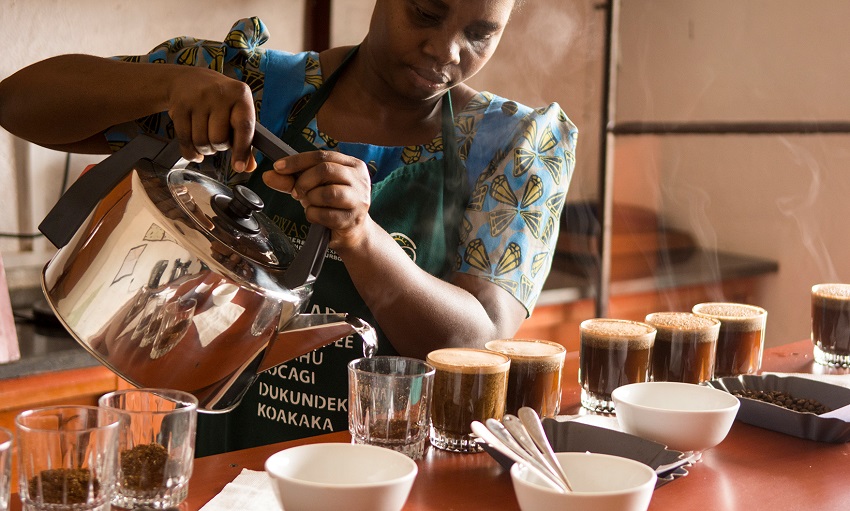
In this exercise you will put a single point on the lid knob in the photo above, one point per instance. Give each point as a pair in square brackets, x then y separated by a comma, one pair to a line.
[245, 202]
[240, 208]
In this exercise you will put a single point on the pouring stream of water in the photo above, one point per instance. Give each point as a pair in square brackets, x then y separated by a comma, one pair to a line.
[366, 332]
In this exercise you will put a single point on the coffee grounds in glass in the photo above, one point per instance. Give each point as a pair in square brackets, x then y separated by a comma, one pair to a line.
[143, 466]
[64, 486]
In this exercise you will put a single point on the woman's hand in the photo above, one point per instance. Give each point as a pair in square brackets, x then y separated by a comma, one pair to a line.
[67, 102]
[334, 189]
[212, 113]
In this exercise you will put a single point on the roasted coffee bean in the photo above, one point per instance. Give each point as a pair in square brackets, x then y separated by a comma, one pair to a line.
[784, 400]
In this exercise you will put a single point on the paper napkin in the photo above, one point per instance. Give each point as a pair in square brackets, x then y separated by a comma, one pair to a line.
[251, 489]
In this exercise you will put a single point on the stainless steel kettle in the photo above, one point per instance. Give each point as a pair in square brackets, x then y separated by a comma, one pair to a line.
[173, 280]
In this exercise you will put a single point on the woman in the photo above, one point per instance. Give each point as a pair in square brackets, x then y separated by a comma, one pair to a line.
[443, 202]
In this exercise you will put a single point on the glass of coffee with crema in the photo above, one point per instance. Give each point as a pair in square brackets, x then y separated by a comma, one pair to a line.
[740, 343]
[534, 379]
[612, 353]
[685, 345]
[831, 324]
[469, 385]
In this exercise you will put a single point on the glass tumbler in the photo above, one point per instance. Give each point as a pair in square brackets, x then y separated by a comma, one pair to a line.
[67, 457]
[390, 403]
[157, 448]
[5, 467]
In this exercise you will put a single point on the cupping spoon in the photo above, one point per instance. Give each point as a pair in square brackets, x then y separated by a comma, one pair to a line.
[534, 427]
[495, 434]
[666, 469]
[522, 436]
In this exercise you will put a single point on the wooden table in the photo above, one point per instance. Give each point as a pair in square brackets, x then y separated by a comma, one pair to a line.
[752, 469]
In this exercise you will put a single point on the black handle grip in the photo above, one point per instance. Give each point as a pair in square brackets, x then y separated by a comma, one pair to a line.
[267, 143]
[75, 205]
[308, 262]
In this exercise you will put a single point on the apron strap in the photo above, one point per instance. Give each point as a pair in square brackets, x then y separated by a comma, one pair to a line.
[318, 98]
[456, 169]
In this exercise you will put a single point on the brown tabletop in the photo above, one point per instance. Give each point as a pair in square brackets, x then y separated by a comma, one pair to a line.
[753, 468]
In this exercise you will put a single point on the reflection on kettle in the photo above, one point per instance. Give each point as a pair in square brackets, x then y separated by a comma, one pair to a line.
[150, 319]
[266, 315]
[223, 294]
[180, 268]
[174, 323]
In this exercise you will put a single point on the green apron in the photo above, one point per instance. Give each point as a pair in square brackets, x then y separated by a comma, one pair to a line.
[421, 206]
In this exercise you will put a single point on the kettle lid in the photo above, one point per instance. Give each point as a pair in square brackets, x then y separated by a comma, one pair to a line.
[234, 217]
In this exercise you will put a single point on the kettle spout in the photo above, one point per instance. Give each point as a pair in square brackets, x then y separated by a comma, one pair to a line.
[307, 332]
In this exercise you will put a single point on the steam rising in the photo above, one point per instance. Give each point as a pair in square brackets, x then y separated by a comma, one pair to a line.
[801, 208]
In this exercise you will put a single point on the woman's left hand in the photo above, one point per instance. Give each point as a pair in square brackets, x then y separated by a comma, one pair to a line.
[335, 190]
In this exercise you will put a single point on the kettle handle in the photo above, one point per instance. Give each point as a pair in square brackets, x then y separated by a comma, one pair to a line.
[75, 205]
[308, 261]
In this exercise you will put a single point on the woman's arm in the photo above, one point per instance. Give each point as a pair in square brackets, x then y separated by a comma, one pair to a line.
[417, 311]
[67, 102]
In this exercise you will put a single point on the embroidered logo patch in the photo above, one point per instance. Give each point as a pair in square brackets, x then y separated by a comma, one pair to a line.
[406, 244]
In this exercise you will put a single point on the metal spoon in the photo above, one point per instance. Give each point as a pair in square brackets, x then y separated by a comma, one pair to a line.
[520, 434]
[663, 470]
[485, 434]
[532, 425]
[533, 445]
[496, 432]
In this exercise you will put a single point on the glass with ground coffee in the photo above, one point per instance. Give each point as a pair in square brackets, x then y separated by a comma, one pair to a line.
[389, 403]
[612, 353]
[831, 324]
[469, 385]
[684, 348]
[740, 343]
[68, 457]
[156, 449]
[534, 379]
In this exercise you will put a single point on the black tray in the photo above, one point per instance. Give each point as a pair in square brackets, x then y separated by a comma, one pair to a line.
[577, 437]
[776, 418]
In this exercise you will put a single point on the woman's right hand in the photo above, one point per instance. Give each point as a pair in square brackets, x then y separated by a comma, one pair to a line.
[212, 113]
[67, 102]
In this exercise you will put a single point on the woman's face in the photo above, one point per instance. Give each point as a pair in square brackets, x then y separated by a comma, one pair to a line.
[421, 48]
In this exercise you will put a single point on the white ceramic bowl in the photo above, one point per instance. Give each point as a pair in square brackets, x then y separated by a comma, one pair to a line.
[600, 482]
[318, 477]
[682, 416]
